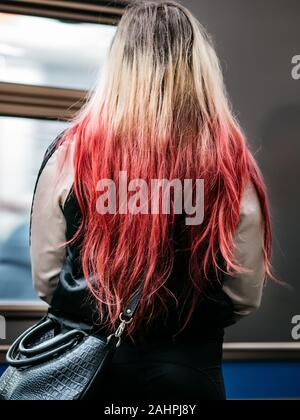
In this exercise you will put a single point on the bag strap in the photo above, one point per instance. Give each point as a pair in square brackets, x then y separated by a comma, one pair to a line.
[126, 317]
[133, 303]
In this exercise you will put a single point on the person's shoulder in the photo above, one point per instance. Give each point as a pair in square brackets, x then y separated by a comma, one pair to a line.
[56, 174]
[54, 144]
[57, 146]
[250, 205]
[57, 151]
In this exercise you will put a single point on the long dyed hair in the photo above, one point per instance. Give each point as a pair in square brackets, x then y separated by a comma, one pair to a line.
[160, 111]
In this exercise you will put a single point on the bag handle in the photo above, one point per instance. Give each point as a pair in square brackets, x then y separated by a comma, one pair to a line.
[51, 344]
[42, 353]
[63, 342]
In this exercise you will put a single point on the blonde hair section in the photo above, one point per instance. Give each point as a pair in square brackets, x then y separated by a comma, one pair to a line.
[152, 86]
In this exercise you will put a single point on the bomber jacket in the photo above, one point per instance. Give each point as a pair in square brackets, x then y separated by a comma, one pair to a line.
[57, 274]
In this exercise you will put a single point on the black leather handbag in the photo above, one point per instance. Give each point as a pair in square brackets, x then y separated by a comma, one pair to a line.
[59, 358]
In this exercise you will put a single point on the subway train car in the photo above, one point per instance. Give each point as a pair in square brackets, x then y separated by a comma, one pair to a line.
[56, 60]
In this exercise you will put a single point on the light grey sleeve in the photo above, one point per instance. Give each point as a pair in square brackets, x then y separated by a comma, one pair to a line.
[48, 224]
[246, 289]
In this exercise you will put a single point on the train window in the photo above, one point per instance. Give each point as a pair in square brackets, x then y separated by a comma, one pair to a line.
[51, 52]
[23, 143]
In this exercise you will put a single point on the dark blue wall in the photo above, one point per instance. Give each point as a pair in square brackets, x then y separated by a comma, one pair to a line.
[252, 380]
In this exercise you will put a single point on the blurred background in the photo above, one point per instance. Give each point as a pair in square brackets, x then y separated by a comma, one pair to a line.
[51, 53]
[36, 52]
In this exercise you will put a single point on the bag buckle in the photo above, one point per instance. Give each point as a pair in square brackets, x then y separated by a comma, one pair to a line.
[120, 330]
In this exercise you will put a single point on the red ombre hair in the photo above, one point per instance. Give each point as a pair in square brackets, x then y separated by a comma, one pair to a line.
[160, 111]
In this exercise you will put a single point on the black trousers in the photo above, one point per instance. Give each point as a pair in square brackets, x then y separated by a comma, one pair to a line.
[166, 373]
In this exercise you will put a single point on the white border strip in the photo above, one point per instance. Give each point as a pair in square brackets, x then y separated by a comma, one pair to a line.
[262, 346]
